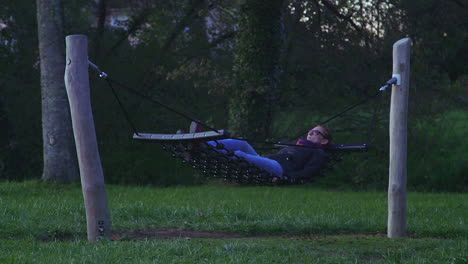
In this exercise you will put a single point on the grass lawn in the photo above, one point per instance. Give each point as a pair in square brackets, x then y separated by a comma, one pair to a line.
[45, 223]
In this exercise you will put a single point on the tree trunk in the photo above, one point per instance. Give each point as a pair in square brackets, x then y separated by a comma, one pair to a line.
[60, 163]
[256, 68]
[100, 24]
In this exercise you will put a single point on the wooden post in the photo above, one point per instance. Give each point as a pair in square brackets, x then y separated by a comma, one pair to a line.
[398, 140]
[92, 178]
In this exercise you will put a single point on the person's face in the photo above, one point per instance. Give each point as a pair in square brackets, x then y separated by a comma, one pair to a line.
[315, 135]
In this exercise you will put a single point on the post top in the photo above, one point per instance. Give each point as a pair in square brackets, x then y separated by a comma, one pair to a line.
[402, 42]
[76, 36]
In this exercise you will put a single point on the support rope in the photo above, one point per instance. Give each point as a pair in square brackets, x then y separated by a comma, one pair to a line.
[127, 117]
[110, 81]
[393, 80]
[349, 108]
[371, 129]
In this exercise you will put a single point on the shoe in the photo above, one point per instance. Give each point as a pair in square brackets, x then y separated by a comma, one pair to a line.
[195, 127]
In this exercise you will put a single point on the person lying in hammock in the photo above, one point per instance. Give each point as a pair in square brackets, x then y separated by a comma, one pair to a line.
[292, 163]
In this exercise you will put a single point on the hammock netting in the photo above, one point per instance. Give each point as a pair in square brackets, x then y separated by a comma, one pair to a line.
[218, 162]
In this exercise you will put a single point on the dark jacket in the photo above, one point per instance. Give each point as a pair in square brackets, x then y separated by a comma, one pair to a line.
[301, 162]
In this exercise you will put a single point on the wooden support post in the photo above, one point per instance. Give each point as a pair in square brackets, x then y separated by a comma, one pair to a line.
[398, 140]
[92, 178]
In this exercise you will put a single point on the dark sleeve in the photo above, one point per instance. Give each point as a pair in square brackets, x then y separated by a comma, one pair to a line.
[312, 167]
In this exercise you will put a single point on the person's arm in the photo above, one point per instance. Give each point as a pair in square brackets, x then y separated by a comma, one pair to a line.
[312, 167]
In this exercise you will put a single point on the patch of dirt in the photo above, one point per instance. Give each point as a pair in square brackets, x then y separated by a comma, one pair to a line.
[125, 235]
[188, 234]
[60, 237]
[170, 233]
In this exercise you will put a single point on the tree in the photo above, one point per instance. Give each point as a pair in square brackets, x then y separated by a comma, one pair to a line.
[60, 163]
[256, 68]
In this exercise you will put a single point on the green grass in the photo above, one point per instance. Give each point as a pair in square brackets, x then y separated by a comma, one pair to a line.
[45, 223]
[327, 249]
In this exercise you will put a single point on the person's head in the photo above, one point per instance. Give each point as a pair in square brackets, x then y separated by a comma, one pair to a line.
[320, 135]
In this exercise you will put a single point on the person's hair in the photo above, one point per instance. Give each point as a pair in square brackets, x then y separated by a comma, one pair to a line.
[327, 133]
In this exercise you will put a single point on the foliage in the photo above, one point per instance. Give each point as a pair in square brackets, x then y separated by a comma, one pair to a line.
[330, 54]
[439, 33]
[440, 160]
[436, 150]
[256, 68]
[19, 84]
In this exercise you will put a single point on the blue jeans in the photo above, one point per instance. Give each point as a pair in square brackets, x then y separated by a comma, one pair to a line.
[243, 149]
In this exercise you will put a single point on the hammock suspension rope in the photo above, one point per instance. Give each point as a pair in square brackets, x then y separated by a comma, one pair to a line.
[217, 161]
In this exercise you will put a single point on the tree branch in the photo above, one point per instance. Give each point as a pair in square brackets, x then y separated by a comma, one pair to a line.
[140, 20]
[458, 3]
[191, 14]
[213, 44]
[332, 7]
[102, 13]
[189, 17]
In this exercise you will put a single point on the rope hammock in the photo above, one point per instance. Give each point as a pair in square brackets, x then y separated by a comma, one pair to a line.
[217, 161]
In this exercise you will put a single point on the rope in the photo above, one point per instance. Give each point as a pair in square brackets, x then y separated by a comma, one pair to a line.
[110, 81]
[127, 117]
[163, 105]
[349, 108]
[393, 80]
[373, 121]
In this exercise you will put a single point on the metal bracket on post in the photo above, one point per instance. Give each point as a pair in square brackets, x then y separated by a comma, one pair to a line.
[96, 68]
[101, 229]
[396, 80]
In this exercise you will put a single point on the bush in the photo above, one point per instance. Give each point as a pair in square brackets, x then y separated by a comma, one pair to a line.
[436, 157]
[437, 152]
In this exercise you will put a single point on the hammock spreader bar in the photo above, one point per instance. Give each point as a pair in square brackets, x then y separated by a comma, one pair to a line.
[353, 147]
[204, 136]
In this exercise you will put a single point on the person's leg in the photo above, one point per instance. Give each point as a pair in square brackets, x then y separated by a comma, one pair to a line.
[236, 144]
[272, 166]
[243, 149]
